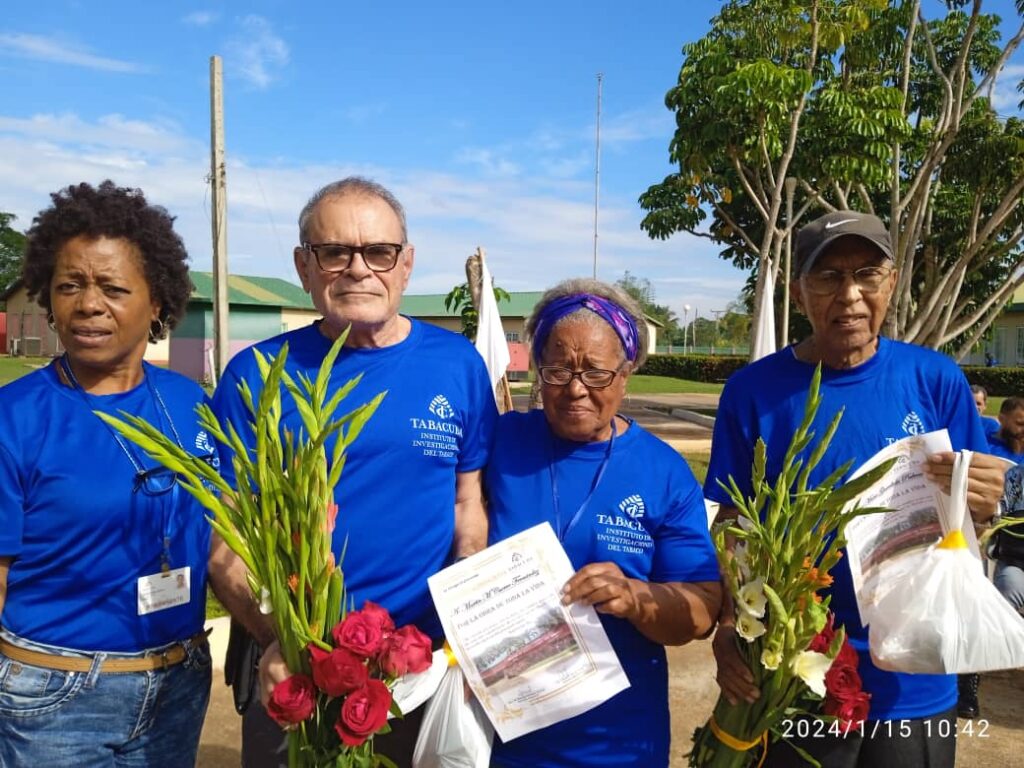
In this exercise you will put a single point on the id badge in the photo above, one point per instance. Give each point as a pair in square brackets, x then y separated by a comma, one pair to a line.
[165, 590]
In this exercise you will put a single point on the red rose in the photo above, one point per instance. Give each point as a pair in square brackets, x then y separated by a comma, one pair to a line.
[407, 650]
[337, 672]
[292, 700]
[359, 632]
[850, 712]
[842, 682]
[363, 713]
[847, 656]
[380, 614]
[823, 640]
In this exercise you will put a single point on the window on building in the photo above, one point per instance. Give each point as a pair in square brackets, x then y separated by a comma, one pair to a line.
[514, 335]
[1020, 344]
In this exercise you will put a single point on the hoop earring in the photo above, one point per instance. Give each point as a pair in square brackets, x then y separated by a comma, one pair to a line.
[159, 332]
[50, 322]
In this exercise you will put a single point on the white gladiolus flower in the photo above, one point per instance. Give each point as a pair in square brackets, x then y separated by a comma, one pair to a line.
[739, 555]
[266, 608]
[748, 627]
[811, 666]
[751, 598]
[771, 658]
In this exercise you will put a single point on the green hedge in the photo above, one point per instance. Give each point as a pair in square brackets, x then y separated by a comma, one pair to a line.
[694, 367]
[999, 381]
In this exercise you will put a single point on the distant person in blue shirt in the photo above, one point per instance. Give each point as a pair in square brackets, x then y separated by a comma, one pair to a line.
[628, 511]
[103, 557]
[845, 278]
[1008, 441]
[988, 423]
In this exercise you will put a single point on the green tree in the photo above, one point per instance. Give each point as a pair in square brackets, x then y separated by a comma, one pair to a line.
[641, 290]
[12, 249]
[865, 104]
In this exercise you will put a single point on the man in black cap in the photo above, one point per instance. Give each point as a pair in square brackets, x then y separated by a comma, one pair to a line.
[844, 279]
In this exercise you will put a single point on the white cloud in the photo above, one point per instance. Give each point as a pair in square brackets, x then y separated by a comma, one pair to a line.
[537, 230]
[257, 53]
[200, 18]
[109, 131]
[1005, 97]
[489, 161]
[60, 52]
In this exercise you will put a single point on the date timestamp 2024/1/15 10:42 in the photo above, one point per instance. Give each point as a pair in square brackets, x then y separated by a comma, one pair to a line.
[813, 728]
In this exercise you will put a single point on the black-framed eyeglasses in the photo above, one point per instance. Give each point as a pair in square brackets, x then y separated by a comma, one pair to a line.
[594, 378]
[336, 257]
[828, 281]
[155, 481]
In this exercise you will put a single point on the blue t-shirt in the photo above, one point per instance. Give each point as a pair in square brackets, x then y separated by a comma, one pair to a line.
[997, 447]
[79, 533]
[647, 516]
[990, 425]
[396, 496]
[902, 390]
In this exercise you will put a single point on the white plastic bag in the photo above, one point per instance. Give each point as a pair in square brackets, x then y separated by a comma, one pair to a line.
[947, 618]
[455, 733]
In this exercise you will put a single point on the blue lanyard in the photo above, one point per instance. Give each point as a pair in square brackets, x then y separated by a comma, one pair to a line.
[143, 477]
[563, 533]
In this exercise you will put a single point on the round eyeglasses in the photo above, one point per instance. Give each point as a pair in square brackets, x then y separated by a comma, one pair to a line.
[337, 257]
[594, 378]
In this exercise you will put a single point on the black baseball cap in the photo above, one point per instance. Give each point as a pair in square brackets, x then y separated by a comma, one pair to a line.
[819, 234]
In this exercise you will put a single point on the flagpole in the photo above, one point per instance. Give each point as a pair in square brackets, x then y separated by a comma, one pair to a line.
[597, 168]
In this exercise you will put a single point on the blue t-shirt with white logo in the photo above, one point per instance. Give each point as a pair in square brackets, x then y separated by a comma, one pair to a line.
[78, 528]
[647, 516]
[902, 390]
[998, 447]
[396, 496]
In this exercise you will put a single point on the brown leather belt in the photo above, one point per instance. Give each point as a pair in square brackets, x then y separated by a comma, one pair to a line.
[166, 658]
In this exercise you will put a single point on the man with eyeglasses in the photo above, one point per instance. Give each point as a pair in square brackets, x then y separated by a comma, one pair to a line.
[410, 496]
[845, 278]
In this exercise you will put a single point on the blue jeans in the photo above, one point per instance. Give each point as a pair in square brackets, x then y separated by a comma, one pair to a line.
[102, 720]
[1009, 580]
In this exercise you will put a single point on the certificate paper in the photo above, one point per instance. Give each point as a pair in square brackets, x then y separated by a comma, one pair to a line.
[530, 660]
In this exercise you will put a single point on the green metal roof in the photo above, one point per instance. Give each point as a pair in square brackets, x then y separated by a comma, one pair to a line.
[246, 289]
[520, 304]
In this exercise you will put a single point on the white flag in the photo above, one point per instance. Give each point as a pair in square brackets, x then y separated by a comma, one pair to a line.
[490, 336]
[764, 343]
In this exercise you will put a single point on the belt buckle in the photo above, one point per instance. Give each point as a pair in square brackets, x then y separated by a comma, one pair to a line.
[164, 660]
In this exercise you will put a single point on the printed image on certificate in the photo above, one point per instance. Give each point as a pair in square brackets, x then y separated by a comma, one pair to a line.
[530, 660]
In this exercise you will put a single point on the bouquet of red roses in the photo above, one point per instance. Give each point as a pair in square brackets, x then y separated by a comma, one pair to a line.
[775, 558]
[845, 699]
[280, 518]
[342, 701]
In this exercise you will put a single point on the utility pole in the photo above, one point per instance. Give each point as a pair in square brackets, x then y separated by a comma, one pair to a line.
[597, 167]
[218, 184]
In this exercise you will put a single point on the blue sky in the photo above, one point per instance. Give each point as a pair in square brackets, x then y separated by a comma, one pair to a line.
[479, 116]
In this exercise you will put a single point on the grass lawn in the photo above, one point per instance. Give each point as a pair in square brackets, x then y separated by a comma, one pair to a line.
[12, 368]
[698, 461]
[649, 385]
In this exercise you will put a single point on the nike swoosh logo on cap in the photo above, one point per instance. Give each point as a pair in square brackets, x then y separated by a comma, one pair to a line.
[834, 224]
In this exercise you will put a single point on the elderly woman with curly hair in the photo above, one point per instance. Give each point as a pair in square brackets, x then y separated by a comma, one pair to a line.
[625, 506]
[103, 557]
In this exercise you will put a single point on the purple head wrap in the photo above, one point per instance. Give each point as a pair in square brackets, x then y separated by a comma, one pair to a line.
[618, 318]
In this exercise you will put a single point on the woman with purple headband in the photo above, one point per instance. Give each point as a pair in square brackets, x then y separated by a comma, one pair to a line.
[628, 512]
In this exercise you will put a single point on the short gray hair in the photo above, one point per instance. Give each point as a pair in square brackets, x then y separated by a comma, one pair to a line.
[577, 285]
[352, 185]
